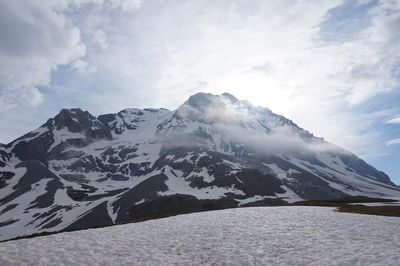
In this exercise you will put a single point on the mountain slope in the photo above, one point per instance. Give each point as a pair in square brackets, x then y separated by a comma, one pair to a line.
[213, 152]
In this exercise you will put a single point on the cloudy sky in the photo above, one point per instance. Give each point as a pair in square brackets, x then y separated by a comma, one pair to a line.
[331, 66]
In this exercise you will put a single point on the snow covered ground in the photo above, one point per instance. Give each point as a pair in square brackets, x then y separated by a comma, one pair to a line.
[244, 236]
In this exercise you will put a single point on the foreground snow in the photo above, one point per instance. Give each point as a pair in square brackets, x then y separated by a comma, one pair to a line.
[265, 235]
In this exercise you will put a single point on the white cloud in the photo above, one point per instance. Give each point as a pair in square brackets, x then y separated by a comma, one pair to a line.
[35, 40]
[395, 120]
[83, 66]
[99, 37]
[126, 5]
[37, 37]
[393, 142]
[10, 96]
[239, 123]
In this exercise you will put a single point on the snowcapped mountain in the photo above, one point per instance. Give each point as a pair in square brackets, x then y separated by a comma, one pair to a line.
[213, 152]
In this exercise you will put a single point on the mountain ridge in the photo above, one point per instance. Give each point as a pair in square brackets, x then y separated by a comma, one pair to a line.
[213, 152]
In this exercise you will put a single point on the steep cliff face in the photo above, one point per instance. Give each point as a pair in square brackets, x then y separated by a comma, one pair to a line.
[213, 152]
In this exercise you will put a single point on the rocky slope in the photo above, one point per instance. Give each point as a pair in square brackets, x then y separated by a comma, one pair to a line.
[213, 152]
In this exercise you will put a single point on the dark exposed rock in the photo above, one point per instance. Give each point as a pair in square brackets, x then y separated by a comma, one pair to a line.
[33, 149]
[52, 223]
[365, 169]
[8, 222]
[8, 207]
[148, 189]
[175, 204]
[47, 199]
[265, 202]
[87, 193]
[76, 178]
[76, 120]
[51, 213]
[4, 176]
[98, 216]
[36, 171]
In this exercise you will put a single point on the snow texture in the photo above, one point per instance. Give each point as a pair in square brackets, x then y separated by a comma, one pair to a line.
[243, 236]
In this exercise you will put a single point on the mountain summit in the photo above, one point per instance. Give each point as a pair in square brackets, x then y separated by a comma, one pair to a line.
[213, 152]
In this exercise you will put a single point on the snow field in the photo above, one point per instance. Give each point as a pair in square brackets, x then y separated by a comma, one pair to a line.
[243, 236]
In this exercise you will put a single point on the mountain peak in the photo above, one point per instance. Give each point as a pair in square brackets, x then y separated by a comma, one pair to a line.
[199, 105]
[202, 99]
[71, 118]
[230, 97]
[72, 110]
[224, 108]
[77, 120]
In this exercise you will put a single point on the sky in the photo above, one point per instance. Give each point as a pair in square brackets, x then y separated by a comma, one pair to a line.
[333, 66]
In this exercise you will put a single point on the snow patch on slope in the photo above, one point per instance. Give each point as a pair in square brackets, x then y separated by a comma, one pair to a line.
[178, 185]
[62, 135]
